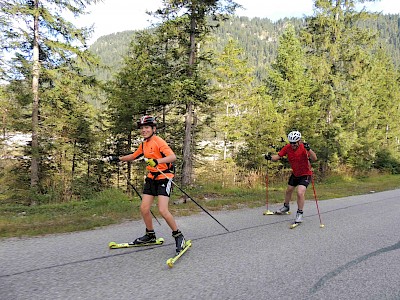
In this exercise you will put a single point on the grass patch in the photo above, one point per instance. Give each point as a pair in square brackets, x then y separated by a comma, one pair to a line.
[106, 208]
[114, 206]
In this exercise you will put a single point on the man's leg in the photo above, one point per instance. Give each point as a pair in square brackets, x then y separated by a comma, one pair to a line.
[147, 201]
[165, 213]
[288, 194]
[301, 191]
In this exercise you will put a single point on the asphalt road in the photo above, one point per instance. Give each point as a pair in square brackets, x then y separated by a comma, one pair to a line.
[356, 256]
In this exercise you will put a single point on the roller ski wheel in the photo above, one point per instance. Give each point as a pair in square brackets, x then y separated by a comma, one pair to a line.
[294, 225]
[171, 261]
[114, 245]
[268, 212]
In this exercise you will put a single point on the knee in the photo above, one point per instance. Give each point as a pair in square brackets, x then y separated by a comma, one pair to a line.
[144, 209]
[164, 212]
[301, 192]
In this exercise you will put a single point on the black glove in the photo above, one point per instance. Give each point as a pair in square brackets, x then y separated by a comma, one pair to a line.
[152, 162]
[307, 146]
[111, 159]
[268, 156]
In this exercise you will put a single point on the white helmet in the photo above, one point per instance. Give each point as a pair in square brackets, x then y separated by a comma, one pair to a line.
[294, 136]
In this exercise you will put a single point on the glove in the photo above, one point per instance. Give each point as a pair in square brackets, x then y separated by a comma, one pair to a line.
[307, 146]
[268, 156]
[111, 159]
[152, 162]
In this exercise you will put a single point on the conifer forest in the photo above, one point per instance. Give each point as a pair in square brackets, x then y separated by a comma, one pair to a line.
[225, 91]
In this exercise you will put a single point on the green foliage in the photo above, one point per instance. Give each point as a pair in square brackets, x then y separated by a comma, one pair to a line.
[387, 161]
[290, 86]
[59, 39]
[259, 39]
[342, 60]
[190, 27]
[320, 86]
[48, 87]
[332, 76]
[233, 81]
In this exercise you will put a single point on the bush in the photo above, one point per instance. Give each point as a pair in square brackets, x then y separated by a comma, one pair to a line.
[385, 161]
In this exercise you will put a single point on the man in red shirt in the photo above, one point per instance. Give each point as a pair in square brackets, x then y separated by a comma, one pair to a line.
[299, 155]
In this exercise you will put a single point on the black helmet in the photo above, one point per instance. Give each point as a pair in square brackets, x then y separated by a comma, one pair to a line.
[147, 121]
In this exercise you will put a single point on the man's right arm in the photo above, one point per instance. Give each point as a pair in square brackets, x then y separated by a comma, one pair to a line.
[270, 157]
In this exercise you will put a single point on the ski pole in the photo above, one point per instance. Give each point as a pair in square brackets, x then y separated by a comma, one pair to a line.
[315, 193]
[191, 198]
[316, 202]
[127, 180]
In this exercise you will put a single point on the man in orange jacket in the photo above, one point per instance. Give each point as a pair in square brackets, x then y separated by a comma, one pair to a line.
[159, 157]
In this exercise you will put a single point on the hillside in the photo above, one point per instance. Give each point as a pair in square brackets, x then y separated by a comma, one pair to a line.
[258, 37]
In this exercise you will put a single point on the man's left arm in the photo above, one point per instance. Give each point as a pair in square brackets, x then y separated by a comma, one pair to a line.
[311, 154]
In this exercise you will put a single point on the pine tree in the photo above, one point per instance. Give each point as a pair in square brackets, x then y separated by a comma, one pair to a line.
[233, 88]
[51, 41]
[377, 130]
[196, 14]
[290, 86]
[335, 43]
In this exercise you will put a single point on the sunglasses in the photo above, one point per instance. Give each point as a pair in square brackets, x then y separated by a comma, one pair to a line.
[293, 143]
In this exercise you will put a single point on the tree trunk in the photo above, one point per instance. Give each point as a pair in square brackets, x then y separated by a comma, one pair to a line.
[187, 166]
[129, 166]
[4, 123]
[187, 153]
[35, 104]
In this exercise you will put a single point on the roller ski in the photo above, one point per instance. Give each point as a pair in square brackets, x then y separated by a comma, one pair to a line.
[294, 225]
[298, 221]
[181, 247]
[269, 212]
[171, 261]
[149, 239]
[114, 245]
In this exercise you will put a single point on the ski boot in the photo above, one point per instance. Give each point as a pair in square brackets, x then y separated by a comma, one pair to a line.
[283, 210]
[299, 216]
[298, 220]
[148, 238]
[179, 241]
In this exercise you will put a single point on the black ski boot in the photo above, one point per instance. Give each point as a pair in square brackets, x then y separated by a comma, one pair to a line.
[283, 210]
[149, 237]
[179, 241]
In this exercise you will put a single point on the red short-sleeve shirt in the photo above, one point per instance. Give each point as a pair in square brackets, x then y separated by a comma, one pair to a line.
[298, 159]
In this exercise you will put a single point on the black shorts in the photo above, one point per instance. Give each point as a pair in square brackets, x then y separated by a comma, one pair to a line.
[302, 180]
[162, 187]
